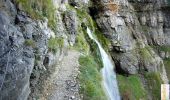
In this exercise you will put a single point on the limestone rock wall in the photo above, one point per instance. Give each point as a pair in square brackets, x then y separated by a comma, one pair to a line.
[24, 51]
[132, 28]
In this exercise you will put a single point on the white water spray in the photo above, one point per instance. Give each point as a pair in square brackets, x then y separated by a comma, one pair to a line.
[108, 74]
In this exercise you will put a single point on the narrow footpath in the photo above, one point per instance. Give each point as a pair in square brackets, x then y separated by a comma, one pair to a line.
[64, 83]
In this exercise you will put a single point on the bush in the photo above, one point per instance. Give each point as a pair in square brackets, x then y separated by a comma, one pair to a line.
[90, 79]
[131, 87]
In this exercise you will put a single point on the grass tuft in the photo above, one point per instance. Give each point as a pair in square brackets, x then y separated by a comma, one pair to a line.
[90, 79]
[55, 43]
[145, 53]
[167, 67]
[30, 42]
[38, 9]
[154, 84]
[131, 88]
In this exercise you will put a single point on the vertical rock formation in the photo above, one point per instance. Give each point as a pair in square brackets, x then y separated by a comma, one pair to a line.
[31, 43]
[135, 26]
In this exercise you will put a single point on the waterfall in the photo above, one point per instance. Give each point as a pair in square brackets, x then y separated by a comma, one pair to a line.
[108, 74]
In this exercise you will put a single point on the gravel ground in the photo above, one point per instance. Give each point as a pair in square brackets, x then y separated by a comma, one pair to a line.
[64, 85]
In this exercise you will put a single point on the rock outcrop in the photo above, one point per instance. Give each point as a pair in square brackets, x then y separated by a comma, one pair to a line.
[24, 50]
[132, 26]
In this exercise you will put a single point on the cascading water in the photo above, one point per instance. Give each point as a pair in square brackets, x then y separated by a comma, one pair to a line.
[108, 74]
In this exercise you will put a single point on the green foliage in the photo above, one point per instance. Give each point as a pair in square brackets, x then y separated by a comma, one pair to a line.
[38, 9]
[99, 35]
[52, 45]
[81, 43]
[131, 87]
[94, 50]
[90, 79]
[154, 84]
[102, 39]
[85, 18]
[162, 48]
[55, 43]
[60, 42]
[167, 67]
[29, 42]
[145, 53]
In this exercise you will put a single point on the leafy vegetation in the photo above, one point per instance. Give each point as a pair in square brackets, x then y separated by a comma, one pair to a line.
[55, 43]
[29, 42]
[154, 84]
[90, 79]
[38, 9]
[131, 88]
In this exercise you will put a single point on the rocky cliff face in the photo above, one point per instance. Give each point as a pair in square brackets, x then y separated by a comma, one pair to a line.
[134, 27]
[25, 48]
